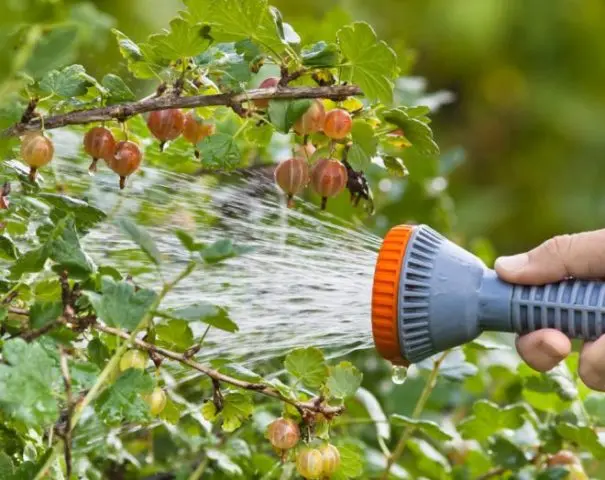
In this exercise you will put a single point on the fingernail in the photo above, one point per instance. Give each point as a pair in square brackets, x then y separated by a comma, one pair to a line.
[513, 263]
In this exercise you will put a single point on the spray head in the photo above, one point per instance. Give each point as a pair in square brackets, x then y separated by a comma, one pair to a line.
[430, 295]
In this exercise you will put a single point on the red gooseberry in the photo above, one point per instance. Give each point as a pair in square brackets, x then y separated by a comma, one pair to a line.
[166, 125]
[99, 143]
[328, 178]
[337, 124]
[36, 151]
[283, 433]
[196, 129]
[292, 176]
[125, 161]
[312, 120]
[270, 82]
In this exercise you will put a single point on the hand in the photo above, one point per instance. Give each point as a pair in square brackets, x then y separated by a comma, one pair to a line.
[582, 256]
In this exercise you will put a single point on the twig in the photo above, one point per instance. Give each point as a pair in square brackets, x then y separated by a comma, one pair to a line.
[492, 473]
[70, 409]
[407, 433]
[124, 111]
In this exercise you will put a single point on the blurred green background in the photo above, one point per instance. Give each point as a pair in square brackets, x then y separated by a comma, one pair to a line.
[529, 108]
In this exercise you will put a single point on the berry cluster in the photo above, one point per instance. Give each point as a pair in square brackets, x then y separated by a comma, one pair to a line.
[313, 463]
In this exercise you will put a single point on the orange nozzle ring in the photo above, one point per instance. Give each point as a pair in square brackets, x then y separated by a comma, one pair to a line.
[385, 294]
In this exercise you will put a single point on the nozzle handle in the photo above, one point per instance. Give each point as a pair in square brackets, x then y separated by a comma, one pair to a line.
[574, 307]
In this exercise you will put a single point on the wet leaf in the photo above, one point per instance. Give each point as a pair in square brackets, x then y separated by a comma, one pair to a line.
[208, 313]
[174, 335]
[122, 401]
[431, 429]
[308, 365]
[344, 380]
[507, 454]
[142, 238]
[489, 418]
[222, 250]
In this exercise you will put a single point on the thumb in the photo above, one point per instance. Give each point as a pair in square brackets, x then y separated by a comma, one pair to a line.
[581, 255]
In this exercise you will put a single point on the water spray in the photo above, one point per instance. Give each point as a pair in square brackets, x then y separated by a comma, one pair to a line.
[430, 295]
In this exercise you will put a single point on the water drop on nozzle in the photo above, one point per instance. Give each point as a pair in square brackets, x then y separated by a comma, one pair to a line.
[399, 375]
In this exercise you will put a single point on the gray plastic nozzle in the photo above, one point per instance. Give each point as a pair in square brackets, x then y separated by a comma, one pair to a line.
[447, 297]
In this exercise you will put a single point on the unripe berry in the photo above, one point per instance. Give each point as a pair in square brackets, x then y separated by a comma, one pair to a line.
[283, 433]
[328, 179]
[312, 120]
[133, 359]
[292, 176]
[331, 459]
[36, 151]
[125, 161]
[166, 125]
[157, 401]
[270, 82]
[309, 463]
[99, 143]
[337, 124]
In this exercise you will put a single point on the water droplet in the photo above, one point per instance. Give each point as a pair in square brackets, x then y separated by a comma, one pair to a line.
[399, 375]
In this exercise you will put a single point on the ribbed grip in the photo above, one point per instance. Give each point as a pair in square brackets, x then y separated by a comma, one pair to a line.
[575, 307]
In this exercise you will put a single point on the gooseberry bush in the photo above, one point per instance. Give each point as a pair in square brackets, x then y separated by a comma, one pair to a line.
[89, 353]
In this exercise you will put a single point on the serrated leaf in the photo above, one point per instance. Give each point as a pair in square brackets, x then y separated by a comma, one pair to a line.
[351, 462]
[63, 247]
[507, 454]
[284, 113]
[584, 437]
[117, 90]
[142, 238]
[30, 262]
[72, 81]
[174, 335]
[415, 130]
[8, 250]
[222, 250]
[85, 215]
[98, 353]
[208, 313]
[138, 65]
[119, 305]
[321, 54]
[182, 40]
[43, 313]
[248, 50]
[219, 151]
[544, 392]
[308, 365]
[209, 411]
[29, 379]
[122, 401]
[237, 407]
[395, 166]
[488, 418]
[344, 380]
[370, 63]
[429, 428]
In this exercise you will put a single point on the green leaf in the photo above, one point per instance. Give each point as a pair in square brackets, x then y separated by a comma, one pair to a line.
[237, 407]
[117, 90]
[6, 466]
[8, 250]
[426, 426]
[29, 380]
[284, 113]
[181, 41]
[415, 130]
[122, 401]
[98, 353]
[488, 418]
[72, 81]
[371, 63]
[43, 313]
[209, 411]
[188, 241]
[351, 462]
[142, 239]
[85, 215]
[30, 262]
[321, 54]
[554, 473]
[56, 48]
[64, 248]
[584, 437]
[208, 313]
[542, 391]
[138, 65]
[506, 454]
[234, 76]
[344, 380]
[119, 305]
[428, 460]
[172, 411]
[219, 151]
[174, 335]
[308, 365]
[395, 166]
[222, 250]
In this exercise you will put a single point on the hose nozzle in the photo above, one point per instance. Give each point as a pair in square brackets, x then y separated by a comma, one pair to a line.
[430, 295]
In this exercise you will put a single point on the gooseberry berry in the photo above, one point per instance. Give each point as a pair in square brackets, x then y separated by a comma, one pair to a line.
[125, 161]
[328, 178]
[133, 359]
[195, 129]
[270, 82]
[292, 176]
[99, 143]
[337, 124]
[283, 433]
[331, 459]
[309, 463]
[36, 151]
[157, 401]
[166, 125]
[312, 120]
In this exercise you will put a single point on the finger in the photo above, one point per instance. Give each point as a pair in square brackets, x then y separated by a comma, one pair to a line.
[543, 349]
[592, 364]
[581, 255]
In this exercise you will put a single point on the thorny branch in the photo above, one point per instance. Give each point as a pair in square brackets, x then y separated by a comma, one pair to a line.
[123, 111]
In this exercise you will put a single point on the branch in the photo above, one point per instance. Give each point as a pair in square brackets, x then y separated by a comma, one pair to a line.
[70, 410]
[310, 406]
[124, 111]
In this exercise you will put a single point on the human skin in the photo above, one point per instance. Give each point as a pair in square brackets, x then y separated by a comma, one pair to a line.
[580, 255]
